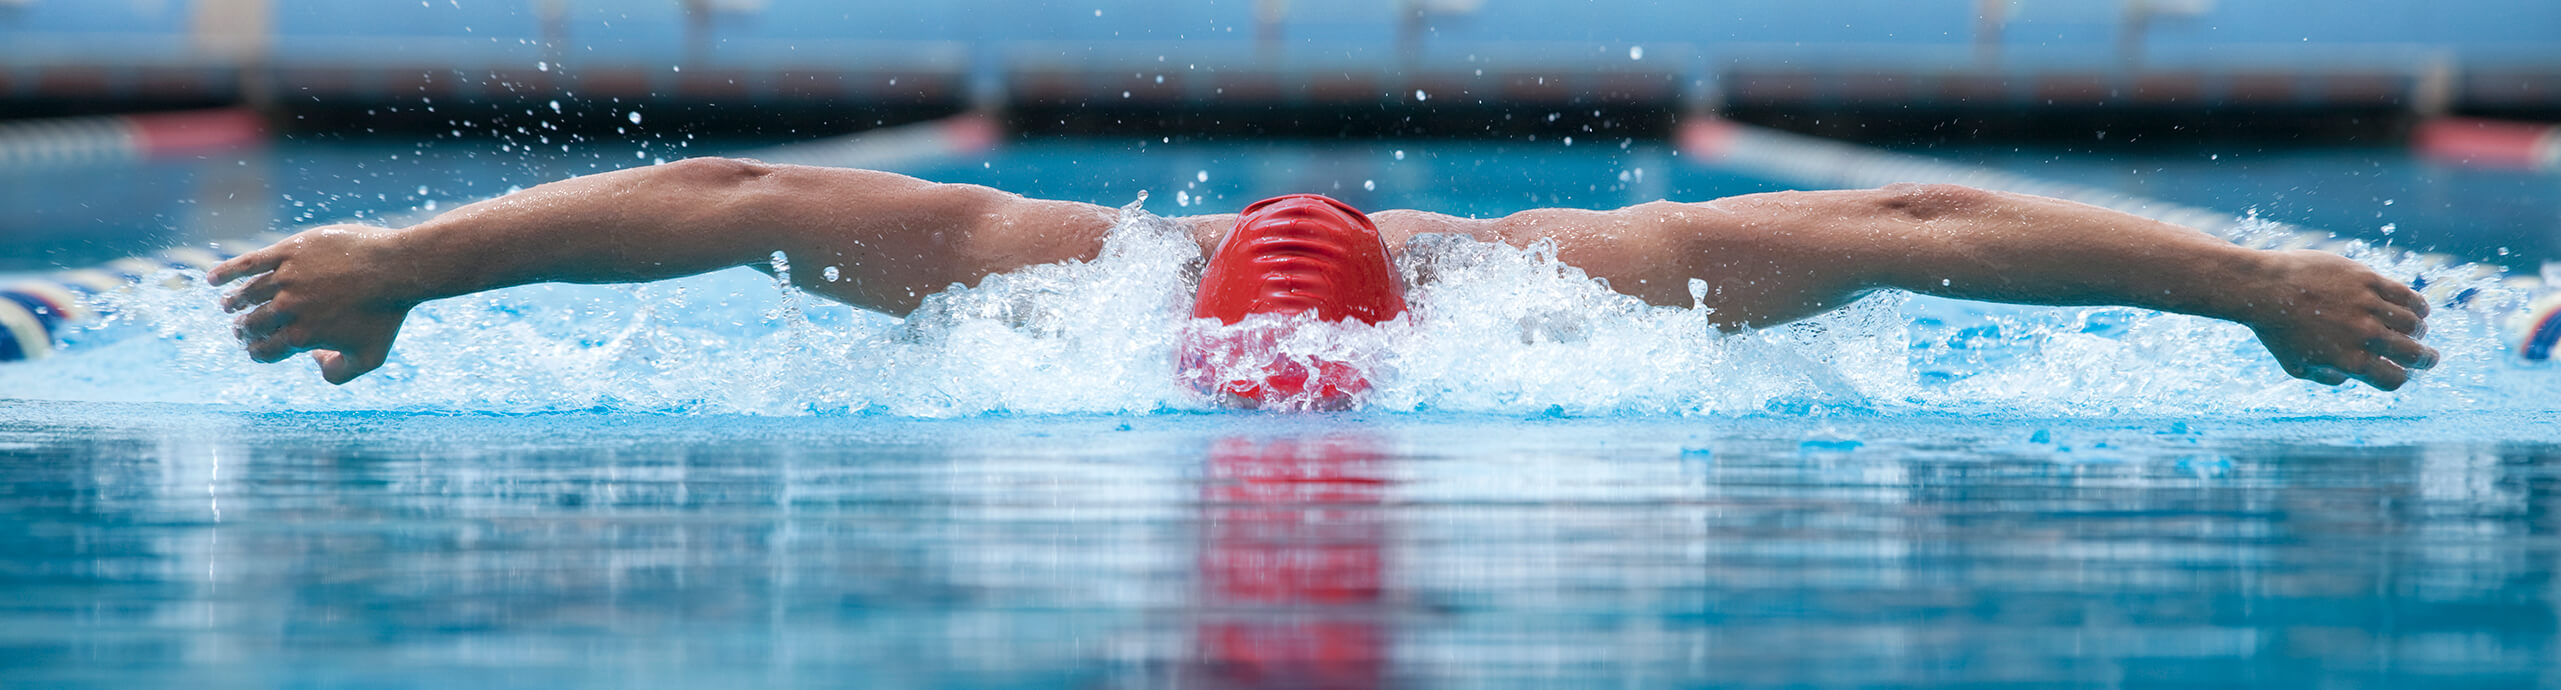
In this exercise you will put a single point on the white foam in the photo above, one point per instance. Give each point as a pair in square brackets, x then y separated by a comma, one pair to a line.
[1493, 329]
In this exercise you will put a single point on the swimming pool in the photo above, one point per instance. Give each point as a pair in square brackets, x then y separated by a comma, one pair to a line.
[711, 480]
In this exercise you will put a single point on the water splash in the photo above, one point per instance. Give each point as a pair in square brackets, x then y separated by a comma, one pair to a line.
[1493, 329]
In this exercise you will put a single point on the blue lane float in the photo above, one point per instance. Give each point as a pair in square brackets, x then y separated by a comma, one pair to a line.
[33, 313]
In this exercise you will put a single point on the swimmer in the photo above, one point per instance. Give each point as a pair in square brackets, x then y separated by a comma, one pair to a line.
[341, 292]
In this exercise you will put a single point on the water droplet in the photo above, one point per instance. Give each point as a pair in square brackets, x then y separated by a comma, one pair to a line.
[1370, 185]
[2387, 202]
[1636, 52]
[555, 106]
[1569, 141]
[1202, 176]
[542, 66]
[1400, 154]
[1420, 96]
[635, 117]
[422, 190]
[1182, 198]
[1098, 13]
[831, 273]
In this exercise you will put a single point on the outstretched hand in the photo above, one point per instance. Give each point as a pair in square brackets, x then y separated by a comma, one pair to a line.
[2329, 319]
[330, 291]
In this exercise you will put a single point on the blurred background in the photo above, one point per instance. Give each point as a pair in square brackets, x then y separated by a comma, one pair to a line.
[2414, 122]
[532, 524]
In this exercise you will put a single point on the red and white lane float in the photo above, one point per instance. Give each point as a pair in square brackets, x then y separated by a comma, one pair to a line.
[2489, 143]
[90, 140]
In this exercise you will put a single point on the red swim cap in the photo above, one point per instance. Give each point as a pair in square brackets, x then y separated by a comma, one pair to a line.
[1288, 255]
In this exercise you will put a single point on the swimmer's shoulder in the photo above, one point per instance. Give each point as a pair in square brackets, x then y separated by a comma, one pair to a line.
[1208, 230]
[1397, 225]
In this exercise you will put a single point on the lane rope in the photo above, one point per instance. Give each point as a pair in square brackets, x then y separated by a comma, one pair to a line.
[81, 141]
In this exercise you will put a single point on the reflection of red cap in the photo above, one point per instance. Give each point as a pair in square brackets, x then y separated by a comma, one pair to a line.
[1288, 255]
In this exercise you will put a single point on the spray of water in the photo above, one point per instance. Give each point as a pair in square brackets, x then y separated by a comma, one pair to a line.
[1493, 328]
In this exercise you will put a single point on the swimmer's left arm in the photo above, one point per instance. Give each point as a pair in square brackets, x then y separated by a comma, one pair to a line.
[1767, 259]
[1772, 258]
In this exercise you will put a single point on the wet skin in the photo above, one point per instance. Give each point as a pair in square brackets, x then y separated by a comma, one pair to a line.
[341, 292]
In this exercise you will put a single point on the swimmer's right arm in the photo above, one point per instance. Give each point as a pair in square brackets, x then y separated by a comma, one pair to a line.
[342, 291]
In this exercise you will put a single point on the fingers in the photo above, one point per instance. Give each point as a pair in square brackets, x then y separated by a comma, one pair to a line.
[249, 264]
[260, 324]
[2321, 374]
[2402, 319]
[2385, 375]
[340, 367]
[2400, 294]
[273, 349]
[2403, 351]
[257, 291]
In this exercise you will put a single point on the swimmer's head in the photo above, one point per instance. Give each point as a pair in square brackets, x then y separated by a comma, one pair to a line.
[1301, 253]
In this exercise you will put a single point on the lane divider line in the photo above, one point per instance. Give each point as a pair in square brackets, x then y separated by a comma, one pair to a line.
[76, 141]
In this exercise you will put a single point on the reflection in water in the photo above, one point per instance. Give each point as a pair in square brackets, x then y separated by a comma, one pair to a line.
[1294, 562]
[164, 546]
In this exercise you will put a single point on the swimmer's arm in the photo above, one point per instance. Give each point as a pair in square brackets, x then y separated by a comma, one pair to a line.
[894, 239]
[342, 291]
[1772, 258]
[1768, 259]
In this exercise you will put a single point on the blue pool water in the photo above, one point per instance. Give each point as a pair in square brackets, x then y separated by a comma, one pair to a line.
[715, 482]
[155, 545]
